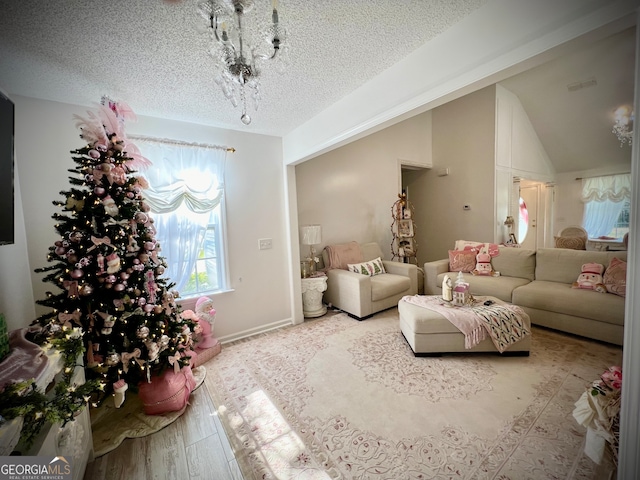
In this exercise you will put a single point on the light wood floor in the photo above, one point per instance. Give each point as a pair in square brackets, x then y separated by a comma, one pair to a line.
[195, 446]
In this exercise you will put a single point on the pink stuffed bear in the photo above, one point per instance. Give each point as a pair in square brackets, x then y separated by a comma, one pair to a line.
[591, 278]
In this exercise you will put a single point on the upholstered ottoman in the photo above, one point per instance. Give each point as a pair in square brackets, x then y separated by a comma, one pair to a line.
[429, 333]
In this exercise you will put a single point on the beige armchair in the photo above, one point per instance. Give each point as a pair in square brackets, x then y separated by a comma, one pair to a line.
[362, 295]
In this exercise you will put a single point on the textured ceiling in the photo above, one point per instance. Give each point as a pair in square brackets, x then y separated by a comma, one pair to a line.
[152, 54]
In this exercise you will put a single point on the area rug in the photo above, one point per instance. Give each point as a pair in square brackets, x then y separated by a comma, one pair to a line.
[335, 398]
[110, 426]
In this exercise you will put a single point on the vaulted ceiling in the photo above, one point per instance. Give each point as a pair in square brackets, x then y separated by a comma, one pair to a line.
[152, 54]
[571, 101]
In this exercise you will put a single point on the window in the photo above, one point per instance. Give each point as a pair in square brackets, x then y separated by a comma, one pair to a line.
[621, 227]
[186, 198]
[607, 203]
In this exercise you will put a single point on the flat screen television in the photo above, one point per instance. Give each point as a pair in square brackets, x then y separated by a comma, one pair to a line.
[7, 130]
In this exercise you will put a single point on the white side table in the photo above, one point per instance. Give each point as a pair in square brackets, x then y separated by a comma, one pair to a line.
[312, 288]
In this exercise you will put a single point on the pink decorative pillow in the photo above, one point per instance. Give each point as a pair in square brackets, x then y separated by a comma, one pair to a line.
[591, 278]
[483, 265]
[462, 260]
[615, 277]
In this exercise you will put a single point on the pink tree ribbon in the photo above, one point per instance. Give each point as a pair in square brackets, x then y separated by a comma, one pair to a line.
[72, 287]
[175, 361]
[67, 318]
[99, 241]
[126, 357]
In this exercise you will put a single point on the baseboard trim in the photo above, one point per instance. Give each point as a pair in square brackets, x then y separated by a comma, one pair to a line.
[255, 331]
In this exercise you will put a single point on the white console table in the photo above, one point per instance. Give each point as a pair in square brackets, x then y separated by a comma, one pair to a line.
[312, 289]
[605, 245]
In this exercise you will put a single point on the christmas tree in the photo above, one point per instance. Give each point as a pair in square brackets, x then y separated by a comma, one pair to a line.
[107, 265]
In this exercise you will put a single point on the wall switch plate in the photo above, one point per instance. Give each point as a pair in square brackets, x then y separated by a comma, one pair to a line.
[443, 172]
[264, 243]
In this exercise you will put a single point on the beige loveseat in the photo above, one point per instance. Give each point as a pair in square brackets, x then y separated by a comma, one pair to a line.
[540, 282]
[362, 295]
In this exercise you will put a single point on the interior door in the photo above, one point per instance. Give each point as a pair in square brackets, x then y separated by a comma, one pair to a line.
[527, 234]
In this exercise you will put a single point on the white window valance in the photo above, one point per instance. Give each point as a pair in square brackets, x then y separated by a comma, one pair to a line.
[183, 175]
[612, 188]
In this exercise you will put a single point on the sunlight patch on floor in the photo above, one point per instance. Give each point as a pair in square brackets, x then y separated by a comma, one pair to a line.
[282, 449]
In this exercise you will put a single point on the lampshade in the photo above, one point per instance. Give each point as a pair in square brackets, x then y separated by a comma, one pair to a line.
[311, 234]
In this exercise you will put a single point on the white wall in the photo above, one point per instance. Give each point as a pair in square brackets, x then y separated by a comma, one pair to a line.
[519, 153]
[260, 279]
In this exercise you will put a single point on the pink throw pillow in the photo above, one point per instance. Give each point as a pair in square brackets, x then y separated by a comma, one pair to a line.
[615, 277]
[462, 260]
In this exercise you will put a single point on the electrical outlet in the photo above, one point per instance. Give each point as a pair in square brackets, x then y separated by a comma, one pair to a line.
[264, 244]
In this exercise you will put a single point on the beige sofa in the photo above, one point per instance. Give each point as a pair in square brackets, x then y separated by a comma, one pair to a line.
[540, 282]
[361, 295]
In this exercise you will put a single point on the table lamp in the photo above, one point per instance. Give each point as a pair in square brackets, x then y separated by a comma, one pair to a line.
[311, 235]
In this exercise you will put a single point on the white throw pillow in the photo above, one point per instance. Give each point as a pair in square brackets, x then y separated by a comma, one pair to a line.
[371, 268]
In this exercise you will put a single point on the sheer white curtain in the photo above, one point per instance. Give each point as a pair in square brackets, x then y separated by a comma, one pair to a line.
[604, 199]
[186, 183]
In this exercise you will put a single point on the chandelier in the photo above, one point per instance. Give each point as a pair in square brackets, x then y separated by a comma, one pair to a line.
[623, 126]
[240, 43]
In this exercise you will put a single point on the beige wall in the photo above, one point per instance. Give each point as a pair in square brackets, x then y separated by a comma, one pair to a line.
[350, 190]
[260, 279]
[463, 141]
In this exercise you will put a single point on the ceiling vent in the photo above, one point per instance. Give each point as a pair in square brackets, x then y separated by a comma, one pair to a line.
[591, 82]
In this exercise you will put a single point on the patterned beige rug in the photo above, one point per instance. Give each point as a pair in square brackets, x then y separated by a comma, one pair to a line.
[334, 398]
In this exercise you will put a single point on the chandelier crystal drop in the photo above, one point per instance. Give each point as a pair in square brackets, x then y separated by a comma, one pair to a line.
[243, 38]
[623, 126]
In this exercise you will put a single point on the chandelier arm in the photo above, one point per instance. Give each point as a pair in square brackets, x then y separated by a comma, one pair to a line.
[240, 42]
[213, 23]
[238, 73]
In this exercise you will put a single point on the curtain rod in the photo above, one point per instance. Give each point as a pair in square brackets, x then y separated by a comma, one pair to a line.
[169, 141]
[607, 175]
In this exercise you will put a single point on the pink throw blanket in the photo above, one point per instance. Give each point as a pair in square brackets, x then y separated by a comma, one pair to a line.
[25, 361]
[470, 325]
[341, 255]
[502, 322]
